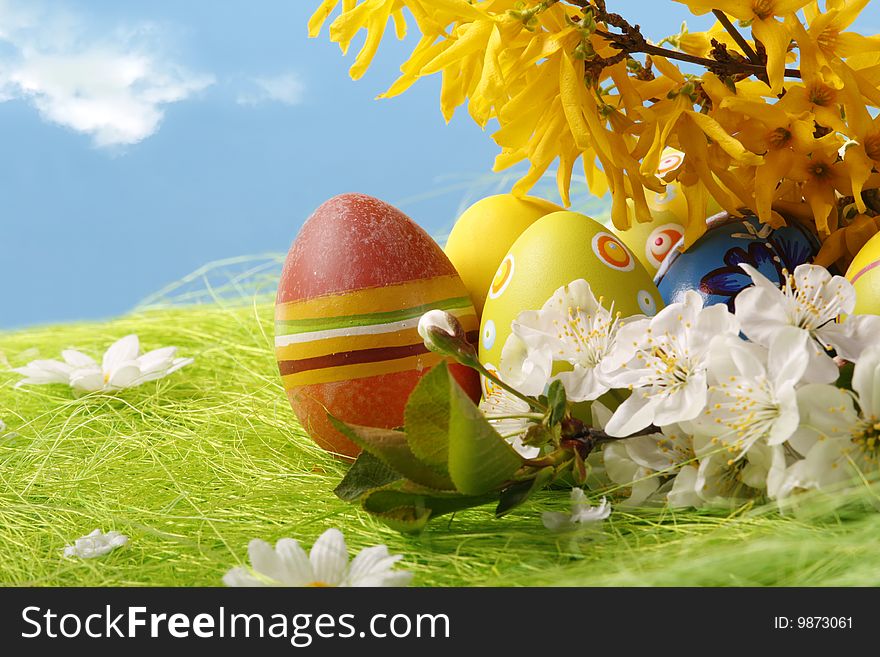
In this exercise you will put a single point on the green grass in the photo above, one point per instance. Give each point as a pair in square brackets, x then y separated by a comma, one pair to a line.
[194, 466]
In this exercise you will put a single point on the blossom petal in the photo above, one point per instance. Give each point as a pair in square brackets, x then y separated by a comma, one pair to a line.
[852, 335]
[828, 410]
[866, 381]
[527, 370]
[636, 413]
[156, 359]
[761, 313]
[788, 357]
[90, 379]
[45, 371]
[685, 404]
[124, 376]
[583, 384]
[684, 489]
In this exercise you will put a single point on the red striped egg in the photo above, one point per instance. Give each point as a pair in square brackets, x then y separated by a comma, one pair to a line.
[357, 279]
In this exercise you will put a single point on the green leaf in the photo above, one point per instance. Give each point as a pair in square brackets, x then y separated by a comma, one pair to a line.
[538, 435]
[391, 448]
[479, 459]
[365, 474]
[518, 493]
[427, 417]
[557, 401]
[407, 507]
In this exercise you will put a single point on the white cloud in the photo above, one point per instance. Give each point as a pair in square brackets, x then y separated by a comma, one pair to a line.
[287, 89]
[114, 87]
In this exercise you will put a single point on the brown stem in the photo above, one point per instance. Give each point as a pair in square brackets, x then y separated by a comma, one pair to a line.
[598, 437]
[739, 38]
[711, 64]
[631, 41]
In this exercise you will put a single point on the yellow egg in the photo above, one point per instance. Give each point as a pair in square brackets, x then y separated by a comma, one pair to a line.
[483, 234]
[864, 274]
[652, 241]
[554, 251]
[672, 204]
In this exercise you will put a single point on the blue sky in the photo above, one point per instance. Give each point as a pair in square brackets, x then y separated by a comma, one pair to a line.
[142, 139]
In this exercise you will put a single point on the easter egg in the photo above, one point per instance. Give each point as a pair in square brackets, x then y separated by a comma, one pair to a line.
[357, 279]
[864, 274]
[485, 232]
[554, 251]
[653, 240]
[671, 206]
[711, 265]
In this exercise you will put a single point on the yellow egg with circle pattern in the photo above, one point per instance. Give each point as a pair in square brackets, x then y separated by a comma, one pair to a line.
[672, 205]
[652, 241]
[484, 233]
[864, 274]
[554, 251]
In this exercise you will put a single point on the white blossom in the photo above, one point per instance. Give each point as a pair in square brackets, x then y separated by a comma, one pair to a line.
[507, 414]
[721, 480]
[752, 396]
[572, 327]
[649, 465]
[327, 565]
[839, 436]
[95, 544]
[664, 361]
[815, 303]
[581, 515]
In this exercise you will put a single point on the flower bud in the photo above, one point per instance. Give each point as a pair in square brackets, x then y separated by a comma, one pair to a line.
[443, 333]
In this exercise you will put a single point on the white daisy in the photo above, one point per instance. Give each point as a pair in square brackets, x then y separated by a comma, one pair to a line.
[123, 366]
[95, 544]
[326, 565]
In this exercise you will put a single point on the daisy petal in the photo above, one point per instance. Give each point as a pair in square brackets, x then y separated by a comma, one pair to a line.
[266, 561]
[242, 577]
[123, 350]
[329, 558]
[78, 359]
[295, 565]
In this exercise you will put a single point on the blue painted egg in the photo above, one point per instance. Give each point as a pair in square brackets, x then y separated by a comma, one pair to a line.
[711, 265]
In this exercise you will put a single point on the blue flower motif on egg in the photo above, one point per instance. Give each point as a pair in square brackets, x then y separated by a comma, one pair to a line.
[711, 265]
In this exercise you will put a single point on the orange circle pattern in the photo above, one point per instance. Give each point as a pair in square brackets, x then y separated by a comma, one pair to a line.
[612, 252]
